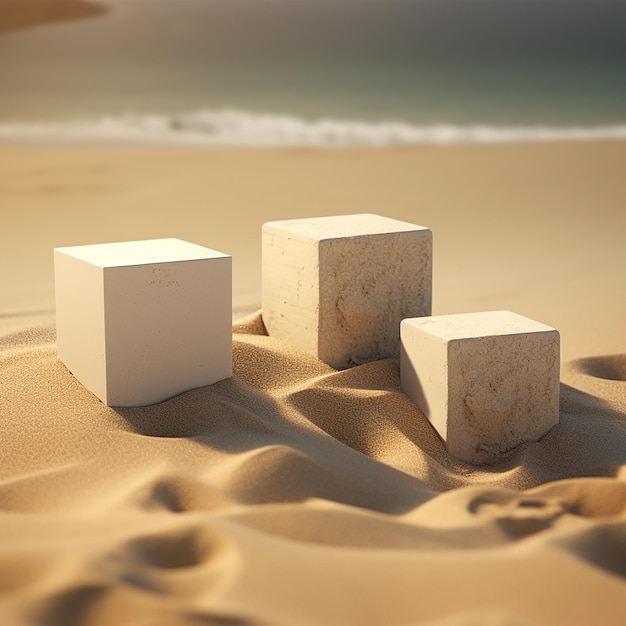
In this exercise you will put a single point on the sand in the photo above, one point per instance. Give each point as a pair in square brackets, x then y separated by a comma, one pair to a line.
[294, 494]
[19, 14]
[535, 228]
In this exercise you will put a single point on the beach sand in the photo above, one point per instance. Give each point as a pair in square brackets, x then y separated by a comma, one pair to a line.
[19, 14]
[294, 494]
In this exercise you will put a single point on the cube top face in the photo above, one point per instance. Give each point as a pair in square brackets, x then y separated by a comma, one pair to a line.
[147, 252]
[341, 226]
[476, 325]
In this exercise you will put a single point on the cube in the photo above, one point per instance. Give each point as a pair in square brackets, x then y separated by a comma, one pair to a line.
[141, 321]
[487, 381]
[337, 287]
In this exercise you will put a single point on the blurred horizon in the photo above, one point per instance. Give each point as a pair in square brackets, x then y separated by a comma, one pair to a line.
[423, 63]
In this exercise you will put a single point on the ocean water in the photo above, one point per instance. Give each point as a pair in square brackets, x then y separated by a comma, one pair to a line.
[321, 72]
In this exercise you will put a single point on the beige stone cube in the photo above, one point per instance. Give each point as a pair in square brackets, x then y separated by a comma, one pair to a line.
[487, 381]
[141, 321]
[339, 286]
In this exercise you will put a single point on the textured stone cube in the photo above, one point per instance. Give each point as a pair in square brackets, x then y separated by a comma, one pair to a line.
[487, 381]
[338, 286]
[141, 321]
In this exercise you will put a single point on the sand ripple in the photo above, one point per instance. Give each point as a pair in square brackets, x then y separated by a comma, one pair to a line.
[295, 494]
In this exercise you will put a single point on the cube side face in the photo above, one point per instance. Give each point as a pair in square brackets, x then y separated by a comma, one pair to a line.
[368, 284]
[290, 288]
[168, 329]
[79, 301]
[424, 373]
[504, 391]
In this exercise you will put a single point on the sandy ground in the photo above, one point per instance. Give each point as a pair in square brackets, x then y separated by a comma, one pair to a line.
[293, 493]
[537, 229]
[19, 14]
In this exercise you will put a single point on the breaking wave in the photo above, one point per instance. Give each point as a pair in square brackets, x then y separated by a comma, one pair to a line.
[240, 128]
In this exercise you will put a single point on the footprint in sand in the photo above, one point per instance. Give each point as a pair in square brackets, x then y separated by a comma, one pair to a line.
[612, 367]
[519, 516]
[184, 562]
[598, 502]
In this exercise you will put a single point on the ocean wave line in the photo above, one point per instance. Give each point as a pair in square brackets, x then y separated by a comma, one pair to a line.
[239, 128]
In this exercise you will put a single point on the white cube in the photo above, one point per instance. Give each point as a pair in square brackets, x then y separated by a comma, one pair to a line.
[338, 286]
[141, 321]
[487, 381]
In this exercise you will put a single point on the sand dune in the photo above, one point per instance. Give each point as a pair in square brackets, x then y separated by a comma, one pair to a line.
[293, 493]
[299, 495]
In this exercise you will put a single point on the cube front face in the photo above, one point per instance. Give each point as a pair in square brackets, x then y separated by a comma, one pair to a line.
[501, 390]
[168, 329]
[341, 296]
[137, 334]
[368, 284]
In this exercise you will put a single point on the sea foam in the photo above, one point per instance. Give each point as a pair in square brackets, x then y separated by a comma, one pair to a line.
[240, 128]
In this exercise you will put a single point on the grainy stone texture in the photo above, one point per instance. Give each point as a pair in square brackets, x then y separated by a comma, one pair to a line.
[339, 286]
[139, 322]
[487, 381]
